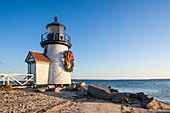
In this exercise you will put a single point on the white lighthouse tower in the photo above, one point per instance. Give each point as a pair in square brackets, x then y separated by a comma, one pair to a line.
[55, 65]
[55, 42]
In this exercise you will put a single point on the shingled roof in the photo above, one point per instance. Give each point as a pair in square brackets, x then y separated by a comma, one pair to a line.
[37, 57]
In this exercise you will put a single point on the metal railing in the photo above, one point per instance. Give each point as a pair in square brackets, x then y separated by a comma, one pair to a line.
[51, 36]
[13, 78]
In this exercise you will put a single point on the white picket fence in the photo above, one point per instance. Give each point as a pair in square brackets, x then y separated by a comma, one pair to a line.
[15, 78]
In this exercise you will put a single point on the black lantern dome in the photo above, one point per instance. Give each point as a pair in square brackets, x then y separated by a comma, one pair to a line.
[55, 34]
[55, 23]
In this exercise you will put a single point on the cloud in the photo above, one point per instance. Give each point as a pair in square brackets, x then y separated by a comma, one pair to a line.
[2, 62]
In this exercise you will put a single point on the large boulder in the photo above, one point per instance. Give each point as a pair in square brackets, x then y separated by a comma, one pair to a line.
[79, 85]
[42, 89]
[133, 95]
[119, 98]
[151, 103]
[99, 91]
[57, 89]
[51, 86]
[81, 94]
[113, 90]
[137, 105]
[142, 96]
[70, 88]
[83, 89]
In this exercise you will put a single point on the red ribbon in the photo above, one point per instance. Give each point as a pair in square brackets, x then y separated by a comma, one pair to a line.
[70, 58]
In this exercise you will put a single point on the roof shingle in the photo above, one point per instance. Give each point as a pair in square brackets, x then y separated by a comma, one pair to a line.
[40, 57]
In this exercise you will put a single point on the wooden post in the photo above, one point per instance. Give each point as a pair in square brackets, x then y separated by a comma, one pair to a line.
[61, 85]
[8, 80]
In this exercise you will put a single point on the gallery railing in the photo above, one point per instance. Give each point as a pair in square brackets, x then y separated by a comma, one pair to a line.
[55, 37]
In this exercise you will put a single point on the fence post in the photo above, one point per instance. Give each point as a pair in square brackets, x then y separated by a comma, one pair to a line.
[8, 80]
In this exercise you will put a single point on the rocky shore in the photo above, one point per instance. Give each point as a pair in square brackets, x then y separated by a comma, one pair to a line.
[77, 98]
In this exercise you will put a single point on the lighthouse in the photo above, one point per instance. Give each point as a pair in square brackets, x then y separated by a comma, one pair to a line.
[55, 64]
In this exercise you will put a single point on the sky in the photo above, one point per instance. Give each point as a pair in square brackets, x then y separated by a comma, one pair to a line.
[111, 39]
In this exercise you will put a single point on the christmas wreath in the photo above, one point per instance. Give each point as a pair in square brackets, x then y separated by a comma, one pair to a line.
[69, 61]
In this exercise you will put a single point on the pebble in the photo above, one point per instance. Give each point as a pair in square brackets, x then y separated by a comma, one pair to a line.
[15, 101]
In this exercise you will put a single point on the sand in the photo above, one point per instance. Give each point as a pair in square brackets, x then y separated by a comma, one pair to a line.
[31, 101]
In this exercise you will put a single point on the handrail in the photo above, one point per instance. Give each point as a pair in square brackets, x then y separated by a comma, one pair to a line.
[7, 77]
[17, 74]
[65, 37]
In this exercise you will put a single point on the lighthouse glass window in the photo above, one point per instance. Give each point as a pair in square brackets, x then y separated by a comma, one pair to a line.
[53, 29]
[61, 29]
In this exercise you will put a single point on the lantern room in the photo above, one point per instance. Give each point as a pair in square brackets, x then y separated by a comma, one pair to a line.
[55, 35]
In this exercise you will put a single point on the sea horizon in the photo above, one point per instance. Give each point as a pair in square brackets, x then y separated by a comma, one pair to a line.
[120, 78]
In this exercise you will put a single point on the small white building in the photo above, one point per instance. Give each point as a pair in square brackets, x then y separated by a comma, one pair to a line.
[52, 66]
[38, 64]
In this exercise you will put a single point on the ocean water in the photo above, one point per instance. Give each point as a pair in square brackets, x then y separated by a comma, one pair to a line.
[160, 89]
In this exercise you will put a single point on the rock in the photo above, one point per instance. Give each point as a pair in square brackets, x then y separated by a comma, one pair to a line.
[79, 85]
[134, 101]
[82, 94]
[99, 91]
[82, 84]
[57, 89]
[48, 90]
[142, 96]
[151, 103]
[109, 87]
[75, 97]
[119, 98]
[133, 95]
[33, 86]
[51, 86]
[135, 105]
[83, 89]
[113, 90]
[70, 87]
[41, 89]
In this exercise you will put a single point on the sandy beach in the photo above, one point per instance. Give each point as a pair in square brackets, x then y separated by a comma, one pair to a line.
[30, 101]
